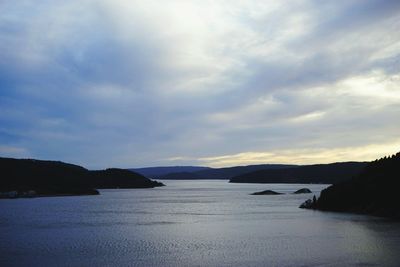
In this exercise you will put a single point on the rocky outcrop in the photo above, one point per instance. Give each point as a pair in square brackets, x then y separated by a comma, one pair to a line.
[303, 191]
[309, 203]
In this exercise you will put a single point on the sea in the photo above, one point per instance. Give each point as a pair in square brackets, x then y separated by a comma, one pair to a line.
[191, 223]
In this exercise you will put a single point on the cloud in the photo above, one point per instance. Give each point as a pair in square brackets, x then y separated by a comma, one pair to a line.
[132, 83]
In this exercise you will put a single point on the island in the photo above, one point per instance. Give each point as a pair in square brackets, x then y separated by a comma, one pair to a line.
[374, 191]
[266, 192]
[34, 178]
[303, 191]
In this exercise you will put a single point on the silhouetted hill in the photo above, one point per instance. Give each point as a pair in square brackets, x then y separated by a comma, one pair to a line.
[374, 191]
[59, 178]
[152, 172]
[120, 178]
[319, 173]
[222, 173]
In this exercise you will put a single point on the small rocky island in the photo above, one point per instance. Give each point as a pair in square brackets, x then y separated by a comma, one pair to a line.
[266, 192]
[374, 191]
[303, 191]
[39, 178]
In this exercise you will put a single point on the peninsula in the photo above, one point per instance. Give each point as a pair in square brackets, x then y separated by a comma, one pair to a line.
[374, 191]
[30, 178]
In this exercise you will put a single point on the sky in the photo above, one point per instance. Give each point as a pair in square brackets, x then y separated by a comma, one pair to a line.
[128, 83]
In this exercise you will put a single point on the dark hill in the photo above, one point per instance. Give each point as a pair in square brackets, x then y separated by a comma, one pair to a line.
[222, 173]
[59, 178]
[44, 177]
[375, 191]
[120, 178]
[319, 173]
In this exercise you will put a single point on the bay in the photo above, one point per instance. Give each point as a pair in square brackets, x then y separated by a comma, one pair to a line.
[191, 223]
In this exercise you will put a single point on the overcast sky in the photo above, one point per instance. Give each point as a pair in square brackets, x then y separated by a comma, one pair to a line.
[217, 83]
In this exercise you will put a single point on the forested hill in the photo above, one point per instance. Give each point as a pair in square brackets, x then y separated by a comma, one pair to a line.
[120, 178]
[54, 177]
[375, 191]
[319, 173]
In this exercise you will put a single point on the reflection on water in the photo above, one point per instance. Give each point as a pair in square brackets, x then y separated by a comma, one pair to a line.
[191, 223]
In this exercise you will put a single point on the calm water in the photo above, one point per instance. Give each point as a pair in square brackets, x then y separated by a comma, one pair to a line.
[191, 223]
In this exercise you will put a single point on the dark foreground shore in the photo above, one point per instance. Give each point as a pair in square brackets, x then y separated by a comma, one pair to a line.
[373, 192]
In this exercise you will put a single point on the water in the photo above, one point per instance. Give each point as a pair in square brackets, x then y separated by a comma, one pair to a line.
[191, 223]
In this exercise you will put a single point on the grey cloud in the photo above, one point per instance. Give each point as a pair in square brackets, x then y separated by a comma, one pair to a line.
[100, 87]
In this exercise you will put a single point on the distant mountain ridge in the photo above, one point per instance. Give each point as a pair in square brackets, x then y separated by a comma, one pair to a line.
[221, 173]
[318, 173]
[151, 172]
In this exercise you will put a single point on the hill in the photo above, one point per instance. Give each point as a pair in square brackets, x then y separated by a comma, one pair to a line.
[59, 178]
[374, 191]
[120, 178]
[221, 173]
[319, 173]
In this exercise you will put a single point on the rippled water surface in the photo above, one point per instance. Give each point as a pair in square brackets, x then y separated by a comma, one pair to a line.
[191, 223]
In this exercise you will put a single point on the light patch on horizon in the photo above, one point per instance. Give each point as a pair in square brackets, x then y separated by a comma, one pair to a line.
[304, 156]
[10, 151]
